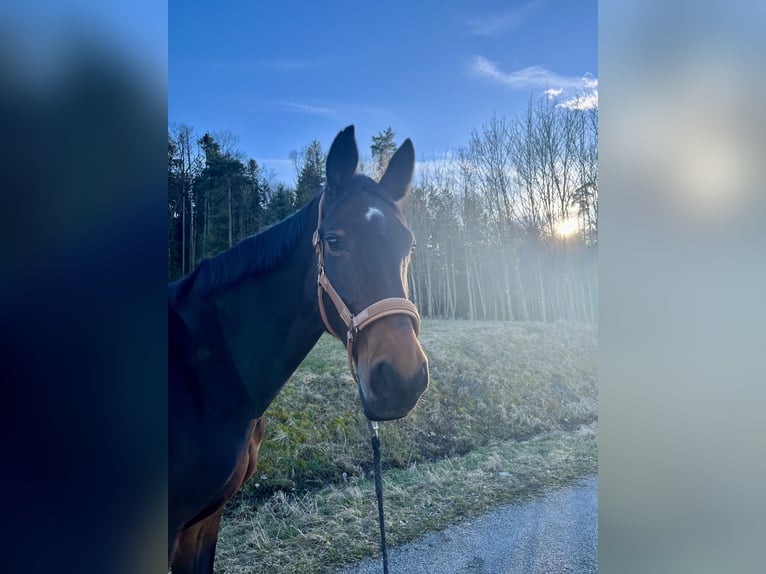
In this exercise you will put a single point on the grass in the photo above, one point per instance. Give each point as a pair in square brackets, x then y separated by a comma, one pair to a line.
[504, 397]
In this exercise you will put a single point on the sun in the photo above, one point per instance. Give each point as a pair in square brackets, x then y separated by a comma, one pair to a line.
[567, 227]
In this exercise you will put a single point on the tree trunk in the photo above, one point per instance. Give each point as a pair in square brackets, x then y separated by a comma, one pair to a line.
[205, 226]
[229, 210]
[469, 287]
[183, 230]
[543, 302]
[429, 291]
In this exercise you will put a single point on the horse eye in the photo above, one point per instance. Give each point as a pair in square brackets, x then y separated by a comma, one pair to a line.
[333, 242]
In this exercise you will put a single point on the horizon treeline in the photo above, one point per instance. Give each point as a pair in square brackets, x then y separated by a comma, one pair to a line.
[506, 225]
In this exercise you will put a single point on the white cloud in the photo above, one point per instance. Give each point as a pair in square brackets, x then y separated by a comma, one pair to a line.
[590, 83]
[496, 24]
[530, 77]
[536, 77]
[552, 93]
[581, 102]
[308, 109]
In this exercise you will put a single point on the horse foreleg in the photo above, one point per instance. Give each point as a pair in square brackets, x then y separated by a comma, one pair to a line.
[195, 551]
[252, 448]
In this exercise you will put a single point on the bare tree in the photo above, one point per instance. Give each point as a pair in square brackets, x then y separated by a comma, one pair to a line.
[485, 216]
[188, 162]
[229, 144]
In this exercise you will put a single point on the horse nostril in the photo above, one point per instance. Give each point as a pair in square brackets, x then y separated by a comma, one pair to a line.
[381, 377]
[384, 379]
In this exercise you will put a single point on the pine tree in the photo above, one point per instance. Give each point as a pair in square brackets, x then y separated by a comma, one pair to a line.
[281, 203]
[311, 178]
[382, 148]
[219, 191]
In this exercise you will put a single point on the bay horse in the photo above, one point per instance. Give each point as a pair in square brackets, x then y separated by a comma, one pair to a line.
[242, 321]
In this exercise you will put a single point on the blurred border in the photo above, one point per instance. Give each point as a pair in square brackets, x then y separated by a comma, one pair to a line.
[83, 239]
[682, 283]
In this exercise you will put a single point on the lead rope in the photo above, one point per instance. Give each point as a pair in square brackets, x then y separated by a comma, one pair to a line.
[379, 489]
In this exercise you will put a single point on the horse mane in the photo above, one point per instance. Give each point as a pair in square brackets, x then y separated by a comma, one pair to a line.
[251, 256]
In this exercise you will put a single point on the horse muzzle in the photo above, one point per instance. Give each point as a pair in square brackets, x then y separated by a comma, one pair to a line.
[386, 394]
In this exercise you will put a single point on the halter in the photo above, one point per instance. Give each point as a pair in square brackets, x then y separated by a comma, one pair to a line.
[355, 323]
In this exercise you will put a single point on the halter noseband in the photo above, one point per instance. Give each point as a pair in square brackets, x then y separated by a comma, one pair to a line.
[355, 323]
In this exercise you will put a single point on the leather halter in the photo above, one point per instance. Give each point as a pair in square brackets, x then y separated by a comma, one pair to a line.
[355, 323]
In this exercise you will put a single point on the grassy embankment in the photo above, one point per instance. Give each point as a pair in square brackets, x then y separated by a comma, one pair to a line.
[510, 412]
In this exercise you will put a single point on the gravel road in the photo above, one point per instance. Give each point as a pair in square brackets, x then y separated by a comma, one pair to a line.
[556, 533]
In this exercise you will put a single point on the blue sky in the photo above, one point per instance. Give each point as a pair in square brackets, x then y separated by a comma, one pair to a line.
[281, 74]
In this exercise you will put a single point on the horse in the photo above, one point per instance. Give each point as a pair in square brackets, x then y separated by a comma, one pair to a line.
[241, 322]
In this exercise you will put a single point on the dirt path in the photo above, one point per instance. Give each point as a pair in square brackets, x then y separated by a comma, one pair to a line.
[556, 533]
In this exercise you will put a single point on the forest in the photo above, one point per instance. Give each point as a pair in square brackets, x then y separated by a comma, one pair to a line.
[506, 224]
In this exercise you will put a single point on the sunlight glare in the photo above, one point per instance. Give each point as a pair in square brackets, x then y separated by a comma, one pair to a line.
[567, 227]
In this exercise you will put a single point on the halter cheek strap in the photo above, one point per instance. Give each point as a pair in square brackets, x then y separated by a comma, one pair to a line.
[355, 323]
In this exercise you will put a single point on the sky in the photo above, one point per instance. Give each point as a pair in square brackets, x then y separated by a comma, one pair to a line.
[281, 74]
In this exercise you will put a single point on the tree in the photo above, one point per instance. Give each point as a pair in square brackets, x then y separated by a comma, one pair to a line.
[184, 165]
[228, 143]
[252, 205]
[382, 148]
[484, 215]
[175, 212]
[311, 173]
[219, 186]
[491, 151]
[280, 204]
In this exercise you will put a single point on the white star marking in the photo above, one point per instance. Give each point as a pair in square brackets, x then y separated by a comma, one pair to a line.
[373, 212]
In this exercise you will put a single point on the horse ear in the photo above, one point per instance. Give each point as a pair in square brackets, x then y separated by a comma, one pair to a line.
[398, 174]
[342, 158]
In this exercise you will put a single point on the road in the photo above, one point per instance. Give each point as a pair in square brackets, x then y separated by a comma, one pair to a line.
[556, 533]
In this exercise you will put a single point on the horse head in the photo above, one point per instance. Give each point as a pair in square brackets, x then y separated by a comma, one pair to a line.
[364, 245]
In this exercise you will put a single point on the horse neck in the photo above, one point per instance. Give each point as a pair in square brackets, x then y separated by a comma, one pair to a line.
[271, 321]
